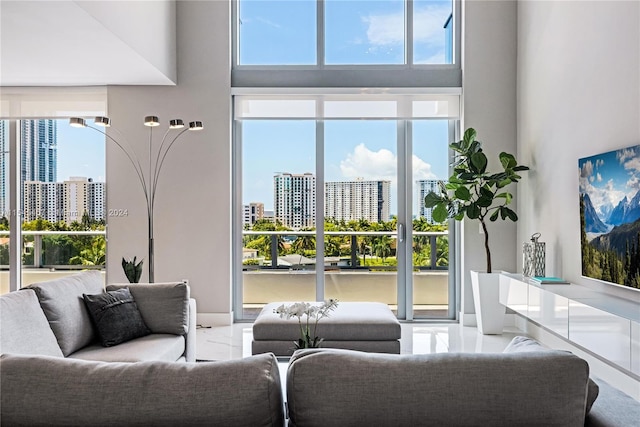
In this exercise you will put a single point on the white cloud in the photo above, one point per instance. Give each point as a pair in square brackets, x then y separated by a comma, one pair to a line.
[429, 23]
[626, 154]
[367, 164]
[587, 169]
[379, 165]
[598, 176]
[385, 30]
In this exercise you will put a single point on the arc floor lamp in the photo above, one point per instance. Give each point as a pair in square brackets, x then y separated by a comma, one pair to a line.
[148, 179]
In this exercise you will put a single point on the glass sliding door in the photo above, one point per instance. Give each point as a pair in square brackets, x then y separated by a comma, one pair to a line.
[278, 213]
[327, 202]
[432, 296]
[360, 210]
[63, 200]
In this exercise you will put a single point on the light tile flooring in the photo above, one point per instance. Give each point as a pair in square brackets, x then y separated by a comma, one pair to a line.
[234, 342]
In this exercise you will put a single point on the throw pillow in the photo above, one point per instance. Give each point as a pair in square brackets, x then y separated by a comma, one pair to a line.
[115, 316]
[524, 344]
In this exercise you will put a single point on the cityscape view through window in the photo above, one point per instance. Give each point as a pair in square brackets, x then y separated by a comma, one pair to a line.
[62, 204]
[330, 177]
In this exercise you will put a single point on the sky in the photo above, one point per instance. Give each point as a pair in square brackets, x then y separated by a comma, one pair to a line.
[278, 32]
[81, 152]
[356, 32]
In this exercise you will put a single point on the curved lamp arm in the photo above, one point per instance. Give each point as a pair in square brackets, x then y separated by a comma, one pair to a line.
[159, 165]
[135, 162]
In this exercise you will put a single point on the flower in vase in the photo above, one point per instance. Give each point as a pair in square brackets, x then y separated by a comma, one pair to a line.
[312, 313]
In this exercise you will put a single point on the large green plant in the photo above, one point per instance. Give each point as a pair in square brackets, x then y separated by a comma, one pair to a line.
[474, 192]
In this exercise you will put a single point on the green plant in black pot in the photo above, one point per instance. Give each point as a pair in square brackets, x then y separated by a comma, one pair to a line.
[474, 192]
[132, 270]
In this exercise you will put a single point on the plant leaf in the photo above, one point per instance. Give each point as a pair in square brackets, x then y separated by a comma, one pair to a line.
[439, 213]
[432, 199]
[463, 193]
[478, 162]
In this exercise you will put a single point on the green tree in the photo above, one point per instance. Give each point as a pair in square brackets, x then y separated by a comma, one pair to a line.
[95, 254]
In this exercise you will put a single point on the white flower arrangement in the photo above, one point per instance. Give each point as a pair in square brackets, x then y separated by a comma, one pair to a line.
[311, 311]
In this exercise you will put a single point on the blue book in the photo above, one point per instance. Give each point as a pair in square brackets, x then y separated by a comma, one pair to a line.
[549, 280]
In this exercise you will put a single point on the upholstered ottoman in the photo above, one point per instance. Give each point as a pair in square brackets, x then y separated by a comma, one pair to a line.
[363, 326]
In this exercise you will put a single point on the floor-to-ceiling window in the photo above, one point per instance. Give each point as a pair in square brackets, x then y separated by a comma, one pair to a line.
[52, 190]
[343, 111]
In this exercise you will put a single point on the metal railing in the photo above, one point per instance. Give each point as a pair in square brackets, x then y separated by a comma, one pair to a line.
[36, 254]
[354, 254]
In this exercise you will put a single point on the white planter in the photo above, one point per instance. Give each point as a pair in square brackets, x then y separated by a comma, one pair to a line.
[486, 300]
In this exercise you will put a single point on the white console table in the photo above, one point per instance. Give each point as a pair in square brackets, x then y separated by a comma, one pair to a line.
[603, 324]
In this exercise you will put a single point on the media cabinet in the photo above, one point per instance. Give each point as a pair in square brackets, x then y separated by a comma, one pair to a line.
[603, 324]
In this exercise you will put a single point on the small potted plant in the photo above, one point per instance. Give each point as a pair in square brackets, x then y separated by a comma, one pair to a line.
[474, 192]
[132, 270]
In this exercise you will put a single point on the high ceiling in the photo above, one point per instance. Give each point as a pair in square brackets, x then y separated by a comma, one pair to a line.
[87, 43]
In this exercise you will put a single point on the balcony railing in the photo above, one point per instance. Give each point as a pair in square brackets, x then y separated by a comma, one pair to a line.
[58, 250]
[351, 255]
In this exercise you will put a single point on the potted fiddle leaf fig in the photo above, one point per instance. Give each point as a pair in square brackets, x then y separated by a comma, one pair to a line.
[476, 193]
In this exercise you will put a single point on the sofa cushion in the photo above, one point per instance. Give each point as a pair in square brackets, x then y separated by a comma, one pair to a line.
[115, 316]
[524, 344]
[68, 392]
[342, 387]
[25, 329]
[163, 347]
[164, 306]
[61, 301]
[613, 408]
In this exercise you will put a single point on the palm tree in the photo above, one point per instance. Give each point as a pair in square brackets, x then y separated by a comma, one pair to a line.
[304, 243]
[382, 247]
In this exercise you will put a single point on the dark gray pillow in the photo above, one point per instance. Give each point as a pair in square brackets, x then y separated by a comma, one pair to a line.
[524, 344]
[115, 316]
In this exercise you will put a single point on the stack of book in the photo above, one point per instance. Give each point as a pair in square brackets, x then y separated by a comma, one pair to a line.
[539, 280]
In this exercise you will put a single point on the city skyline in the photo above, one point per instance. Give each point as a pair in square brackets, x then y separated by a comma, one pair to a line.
[50, 159]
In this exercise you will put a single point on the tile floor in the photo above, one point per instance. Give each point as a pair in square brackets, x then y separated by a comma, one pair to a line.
[234, 342]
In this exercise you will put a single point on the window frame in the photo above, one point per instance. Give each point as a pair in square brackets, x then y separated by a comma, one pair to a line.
[322, 75]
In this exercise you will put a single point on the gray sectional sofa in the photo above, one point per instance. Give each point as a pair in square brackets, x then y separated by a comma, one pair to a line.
[49, 378]
[327, 387]
[51, 319]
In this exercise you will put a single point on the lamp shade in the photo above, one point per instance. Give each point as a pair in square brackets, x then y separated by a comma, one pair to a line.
[176, 124]
[195, 125]
[102, 121]
[151, 121]
[77, 122]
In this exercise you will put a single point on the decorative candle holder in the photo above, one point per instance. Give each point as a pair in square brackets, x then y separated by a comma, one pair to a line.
[533, 257]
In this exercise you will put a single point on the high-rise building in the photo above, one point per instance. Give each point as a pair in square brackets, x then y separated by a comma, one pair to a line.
[64, 201]
[38, 144]
[354, 200]
[39, 157]
[425, 186]
[253, 212]
[294, 199]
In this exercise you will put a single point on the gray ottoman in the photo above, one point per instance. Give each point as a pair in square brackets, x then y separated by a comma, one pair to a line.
[363, 326]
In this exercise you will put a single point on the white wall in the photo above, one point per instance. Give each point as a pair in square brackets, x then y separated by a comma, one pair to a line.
[489, 91]
[578, 95]
[192, 221]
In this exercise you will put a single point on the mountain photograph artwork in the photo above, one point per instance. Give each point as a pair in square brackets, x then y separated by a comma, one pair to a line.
[609, 186]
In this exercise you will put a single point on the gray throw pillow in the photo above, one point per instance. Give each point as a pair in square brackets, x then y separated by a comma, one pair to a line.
[115, 316]
[525, 344]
